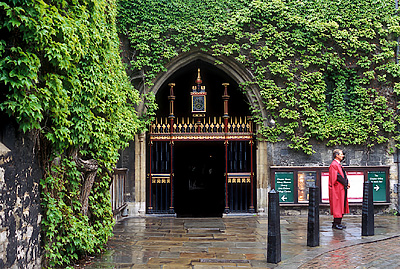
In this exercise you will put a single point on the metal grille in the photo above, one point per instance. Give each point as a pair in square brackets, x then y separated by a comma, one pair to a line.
[160, 178]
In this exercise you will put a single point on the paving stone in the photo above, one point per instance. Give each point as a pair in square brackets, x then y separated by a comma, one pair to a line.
[145, 266]
[169, 242]
[218, 250]
[197, 244]
[169, 254]
[199, 255]
[251, 245]
[223, 244]
[189, 249]
[206, 266]
[379, 254]
[255, 256]
[235, 256]
[213, 264]
[169, 238]
[175, 266]
[181, 261]
[247, 250]
[261, 264]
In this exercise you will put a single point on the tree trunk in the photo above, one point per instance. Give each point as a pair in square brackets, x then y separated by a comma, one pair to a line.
[89, 170]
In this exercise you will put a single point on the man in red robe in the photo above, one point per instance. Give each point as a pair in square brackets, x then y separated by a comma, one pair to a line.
[338, 185]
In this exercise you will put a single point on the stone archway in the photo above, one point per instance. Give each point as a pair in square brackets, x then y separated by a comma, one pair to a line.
[231, 67]
[238, 73]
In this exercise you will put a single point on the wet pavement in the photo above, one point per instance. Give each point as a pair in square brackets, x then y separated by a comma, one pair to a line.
[241, 241]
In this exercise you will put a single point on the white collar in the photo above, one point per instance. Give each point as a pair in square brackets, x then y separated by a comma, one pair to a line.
[337, 161]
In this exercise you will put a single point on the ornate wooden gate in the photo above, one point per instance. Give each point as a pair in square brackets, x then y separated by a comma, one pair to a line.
[235, 132]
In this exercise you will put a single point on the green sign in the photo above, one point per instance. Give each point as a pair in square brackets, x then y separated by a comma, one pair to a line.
[378, 180]
[284, 184]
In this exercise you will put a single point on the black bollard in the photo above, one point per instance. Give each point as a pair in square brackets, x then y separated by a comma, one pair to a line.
[274, 228]
[368, 210]
[313, 217]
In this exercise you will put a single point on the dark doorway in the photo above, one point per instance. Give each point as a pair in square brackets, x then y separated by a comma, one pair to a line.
[199, 179]
[212, 78]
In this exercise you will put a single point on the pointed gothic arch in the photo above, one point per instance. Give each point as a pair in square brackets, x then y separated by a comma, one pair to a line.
[239, 74]
[231, 67]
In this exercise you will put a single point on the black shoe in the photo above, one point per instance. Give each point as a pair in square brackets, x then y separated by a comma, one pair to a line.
[337, 227]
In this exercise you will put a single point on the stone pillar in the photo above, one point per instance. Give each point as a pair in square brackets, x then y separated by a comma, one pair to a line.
[138, 208]
[262, 171]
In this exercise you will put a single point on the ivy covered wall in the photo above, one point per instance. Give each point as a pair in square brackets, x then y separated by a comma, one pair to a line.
[325, 69]
[63, 81]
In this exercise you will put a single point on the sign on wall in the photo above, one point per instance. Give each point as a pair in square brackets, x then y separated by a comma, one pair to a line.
[324, 187]
[354, 194]
[284, 184]
[356, 180]
[378, 180]
[305, 180]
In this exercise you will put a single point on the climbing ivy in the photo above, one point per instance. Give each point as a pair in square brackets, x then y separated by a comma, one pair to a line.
[62, 79]
[325, 69]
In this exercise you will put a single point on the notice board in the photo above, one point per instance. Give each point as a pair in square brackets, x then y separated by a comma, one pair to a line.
[378, 180]
[284, 184]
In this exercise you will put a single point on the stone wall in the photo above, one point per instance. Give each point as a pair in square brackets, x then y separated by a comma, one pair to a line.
[19, 199]
[280, 155]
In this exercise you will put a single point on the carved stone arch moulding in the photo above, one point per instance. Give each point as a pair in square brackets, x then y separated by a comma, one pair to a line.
[230, 66]
[239, 74]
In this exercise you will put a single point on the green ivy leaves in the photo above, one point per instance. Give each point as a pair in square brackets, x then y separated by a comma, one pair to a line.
[324, 68]
[62, 73]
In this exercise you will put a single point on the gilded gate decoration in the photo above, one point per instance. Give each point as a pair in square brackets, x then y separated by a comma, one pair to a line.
[238, 128]
[235, 132]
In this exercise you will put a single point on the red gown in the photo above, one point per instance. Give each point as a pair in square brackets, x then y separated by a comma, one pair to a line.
[337, 191]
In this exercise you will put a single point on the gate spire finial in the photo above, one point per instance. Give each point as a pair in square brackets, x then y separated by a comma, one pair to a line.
[198, 80]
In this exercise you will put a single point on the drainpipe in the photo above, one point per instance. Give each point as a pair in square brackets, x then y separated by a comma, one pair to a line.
[398, 127]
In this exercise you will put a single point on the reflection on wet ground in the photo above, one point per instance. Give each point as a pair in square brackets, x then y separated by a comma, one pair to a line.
[241, 241]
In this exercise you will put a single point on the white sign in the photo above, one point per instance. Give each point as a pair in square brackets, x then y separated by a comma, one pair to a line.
[354, 194]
